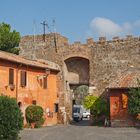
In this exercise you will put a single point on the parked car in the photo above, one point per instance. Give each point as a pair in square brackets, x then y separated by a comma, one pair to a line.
[86, 114]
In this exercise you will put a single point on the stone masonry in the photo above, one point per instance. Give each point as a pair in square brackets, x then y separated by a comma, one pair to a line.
[101, 61]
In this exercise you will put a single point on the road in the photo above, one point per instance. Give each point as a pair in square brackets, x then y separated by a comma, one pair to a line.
[80, 131]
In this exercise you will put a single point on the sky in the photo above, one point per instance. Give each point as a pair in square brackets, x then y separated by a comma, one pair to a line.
[75, 19]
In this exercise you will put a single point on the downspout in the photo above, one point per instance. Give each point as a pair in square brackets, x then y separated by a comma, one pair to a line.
[17, 81]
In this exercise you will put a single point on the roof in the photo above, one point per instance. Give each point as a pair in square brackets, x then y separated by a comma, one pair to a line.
[18, 59]
[128, 79]
[50, 64]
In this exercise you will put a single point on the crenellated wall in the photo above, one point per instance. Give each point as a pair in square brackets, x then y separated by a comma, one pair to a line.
[107, 59]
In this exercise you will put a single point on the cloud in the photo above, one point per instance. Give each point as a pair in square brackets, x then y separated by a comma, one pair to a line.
[105, 27]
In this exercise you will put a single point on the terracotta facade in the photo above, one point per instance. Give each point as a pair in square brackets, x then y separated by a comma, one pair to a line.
[118, 93]
[119, 115]
[40, 87]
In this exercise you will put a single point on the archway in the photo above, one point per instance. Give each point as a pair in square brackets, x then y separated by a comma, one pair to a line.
[77, 77]
[77, 71]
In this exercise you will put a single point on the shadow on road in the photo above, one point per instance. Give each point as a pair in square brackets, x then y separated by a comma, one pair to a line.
[84, 122]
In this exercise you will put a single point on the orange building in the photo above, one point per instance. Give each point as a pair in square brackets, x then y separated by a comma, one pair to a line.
[30, 82]
[118, 93]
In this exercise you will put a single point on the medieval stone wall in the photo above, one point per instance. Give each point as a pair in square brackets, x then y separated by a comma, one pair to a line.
[110, 58]
[107, 59]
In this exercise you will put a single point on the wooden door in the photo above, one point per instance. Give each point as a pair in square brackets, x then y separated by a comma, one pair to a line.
[114, 106]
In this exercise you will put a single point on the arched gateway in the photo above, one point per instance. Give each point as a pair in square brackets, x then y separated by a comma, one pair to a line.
[76, 73]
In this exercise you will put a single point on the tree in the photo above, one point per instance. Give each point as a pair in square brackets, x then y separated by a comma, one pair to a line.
[9, 40]
[97, 105]
[11, 120]
[89, 101]
[134, 101]
[80, 92]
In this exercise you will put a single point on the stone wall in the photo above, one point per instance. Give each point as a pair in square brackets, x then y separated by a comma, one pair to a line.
[107, 59]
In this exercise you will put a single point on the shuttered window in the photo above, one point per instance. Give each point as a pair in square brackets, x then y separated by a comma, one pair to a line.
[11, 76]
[23, 76]
[56, 107]
[45, 82]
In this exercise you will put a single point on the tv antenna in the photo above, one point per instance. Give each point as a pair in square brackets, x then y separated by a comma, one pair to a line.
[54, 32]
[44, 23]
[53, 25]
[34, 29]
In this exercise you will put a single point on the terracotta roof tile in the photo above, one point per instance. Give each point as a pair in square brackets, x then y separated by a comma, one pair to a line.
[127, 79]
[18, 59]
[50, 64]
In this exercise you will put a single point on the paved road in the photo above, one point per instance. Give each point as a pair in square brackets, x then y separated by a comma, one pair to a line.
[80, 131]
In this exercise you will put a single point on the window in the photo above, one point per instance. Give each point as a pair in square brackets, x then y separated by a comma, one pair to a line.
[19, 104]
[73, 101]
[34, 102]
[76, 110]
[23, 81]
[124, 100]
[56, 107]
[45, 82]
[11, 76]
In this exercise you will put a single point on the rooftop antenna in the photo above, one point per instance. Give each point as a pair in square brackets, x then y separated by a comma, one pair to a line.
[34, 30]
[54, 32]
[44, 23]
[53, 24]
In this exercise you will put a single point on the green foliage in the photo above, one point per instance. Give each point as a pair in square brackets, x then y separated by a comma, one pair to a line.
[9, 40]
[134, 100]
[34, 114]
[83, 89]
[100, 107]
[80, 92]
[11, 120]
[89, 101]
[97, 105]
[40, 123]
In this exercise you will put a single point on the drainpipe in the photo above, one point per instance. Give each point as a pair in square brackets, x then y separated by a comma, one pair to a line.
[17, 81]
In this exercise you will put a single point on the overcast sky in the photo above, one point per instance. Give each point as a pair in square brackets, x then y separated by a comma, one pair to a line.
[75, 19]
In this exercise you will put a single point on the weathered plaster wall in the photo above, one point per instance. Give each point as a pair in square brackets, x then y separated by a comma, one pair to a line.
[33, 90]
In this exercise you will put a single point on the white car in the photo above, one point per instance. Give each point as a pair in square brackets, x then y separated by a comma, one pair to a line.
[86, 114]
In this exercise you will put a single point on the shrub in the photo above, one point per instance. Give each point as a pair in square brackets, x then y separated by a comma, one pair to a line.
[97, 105]
[11, 120]
[99, 108]
[34, 114]
[40, 122]
[134, 101]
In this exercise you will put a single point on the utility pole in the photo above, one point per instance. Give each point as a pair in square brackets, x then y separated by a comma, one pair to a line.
[44, 23]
